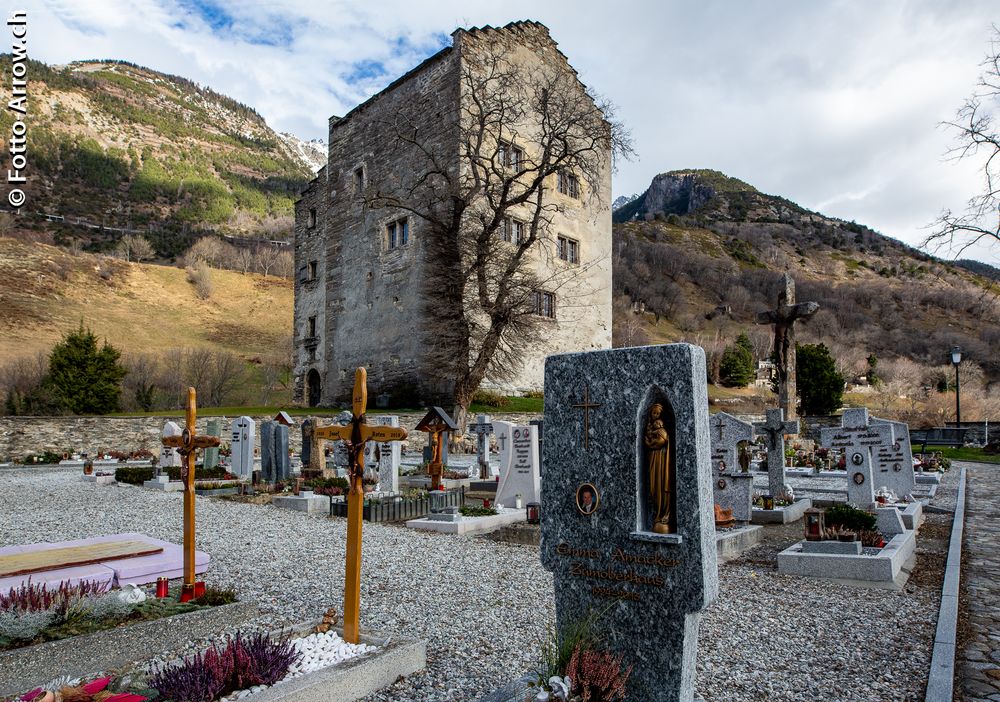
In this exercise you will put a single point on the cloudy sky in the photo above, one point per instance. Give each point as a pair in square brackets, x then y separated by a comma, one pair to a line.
[832, 104]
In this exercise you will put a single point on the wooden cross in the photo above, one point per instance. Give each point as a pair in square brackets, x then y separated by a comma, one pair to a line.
[586, 406]
[187, 444]
[355, 435]
[435, 468]
[783, 319]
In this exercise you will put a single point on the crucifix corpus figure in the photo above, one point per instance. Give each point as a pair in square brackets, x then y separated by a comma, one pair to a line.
[187, 444]
[436, 423]
[783, 319]
[354, 436]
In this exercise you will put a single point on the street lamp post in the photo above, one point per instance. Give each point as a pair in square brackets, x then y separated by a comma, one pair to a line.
[956, 358]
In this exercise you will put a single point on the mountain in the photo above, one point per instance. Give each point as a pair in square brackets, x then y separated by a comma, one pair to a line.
[122, 146]
[313, 152]
[980, 268]
[699, 253]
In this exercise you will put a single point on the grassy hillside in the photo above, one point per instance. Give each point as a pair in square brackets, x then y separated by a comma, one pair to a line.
[46, 291]
[127, 147]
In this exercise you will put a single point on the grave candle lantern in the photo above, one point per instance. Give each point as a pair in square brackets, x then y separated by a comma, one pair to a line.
[768, 501]
[162, 587]
[534, 513]
[815, 524]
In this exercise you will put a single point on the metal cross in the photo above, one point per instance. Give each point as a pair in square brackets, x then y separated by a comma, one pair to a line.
[586, 406]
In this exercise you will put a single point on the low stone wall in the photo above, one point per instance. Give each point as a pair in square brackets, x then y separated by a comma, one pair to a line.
[23, 436]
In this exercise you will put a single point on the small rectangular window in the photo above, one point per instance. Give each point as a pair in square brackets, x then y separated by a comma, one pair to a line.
[398, 233]
[312, 327]
[512, 231]
[569, 184]
[510, 156]
[313, 265]
[568, 249]
[311, 224]
[545, 304]
[359, 180]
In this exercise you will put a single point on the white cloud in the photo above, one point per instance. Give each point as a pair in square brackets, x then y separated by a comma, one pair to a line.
[833, 105]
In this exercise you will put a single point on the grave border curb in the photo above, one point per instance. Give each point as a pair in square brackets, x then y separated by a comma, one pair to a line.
[941, 677]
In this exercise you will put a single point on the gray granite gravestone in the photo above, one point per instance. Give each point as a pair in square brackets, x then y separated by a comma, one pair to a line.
[858, 439]
[773, 430]
[267, 467]
[244, 434]
[384, 457]
[894, 463]
[647, 589]
[732, 488]
[212, 453]
[308, 427]
[169, 456]
[482, 429]
[282, 461]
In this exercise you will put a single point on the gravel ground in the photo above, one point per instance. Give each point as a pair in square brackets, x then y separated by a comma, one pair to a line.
[484, 606]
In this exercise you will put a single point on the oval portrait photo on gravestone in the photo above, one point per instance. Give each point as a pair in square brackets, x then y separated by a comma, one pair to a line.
[859, 478]
[857, 459]
[587, 499]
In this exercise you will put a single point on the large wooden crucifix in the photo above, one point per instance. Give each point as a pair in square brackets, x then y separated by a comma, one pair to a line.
[187, 444]
[355, 435]
[783, 319]
[436, 423]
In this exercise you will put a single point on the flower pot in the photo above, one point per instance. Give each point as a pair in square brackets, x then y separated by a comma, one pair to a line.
[306, 493]
[847, 537]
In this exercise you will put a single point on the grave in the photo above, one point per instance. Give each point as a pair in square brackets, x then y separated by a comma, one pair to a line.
[211, 459]
[310, 504]
[384, 456]
[732, 488]
[627, 502]
[894, 462]
[519, 466]
[483, 429]
[773, 430]
[859, 440]
[100, 479]
[274, 464]
[242, 441]
[438, 425]
[447, 522]
[164, 483]
[850, 563]
[169, 457]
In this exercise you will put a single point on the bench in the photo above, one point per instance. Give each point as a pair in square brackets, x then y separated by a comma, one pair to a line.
[938, 436]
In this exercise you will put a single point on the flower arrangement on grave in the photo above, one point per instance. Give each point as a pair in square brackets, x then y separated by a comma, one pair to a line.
[327, 486]
[453, 475]
[850, 518]
[99, 690]
[476, 511]
[576, 669]
[871, 538]
[785, 498]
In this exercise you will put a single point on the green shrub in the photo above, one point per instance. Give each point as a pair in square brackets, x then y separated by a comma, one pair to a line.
[134, 475]
[850, 518]
[217, 473]
[476, 511]
[216, 596]
[488, 398]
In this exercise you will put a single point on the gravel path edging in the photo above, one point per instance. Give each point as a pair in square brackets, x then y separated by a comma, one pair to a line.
[941, 681]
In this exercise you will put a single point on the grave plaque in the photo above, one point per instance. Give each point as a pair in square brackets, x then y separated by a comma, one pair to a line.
[628, 523]
[211, 459]
[267, 467]
[773, 430]
[519, 467]
[732, 488]
[384, 456]
[858, 440]
[305, 454]
[170, 457]
[282, 461]
[894, 463]
[241, 443]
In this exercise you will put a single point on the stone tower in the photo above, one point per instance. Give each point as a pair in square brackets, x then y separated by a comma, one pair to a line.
[360, 269]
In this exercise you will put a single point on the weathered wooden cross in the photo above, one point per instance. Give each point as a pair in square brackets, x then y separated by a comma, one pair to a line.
[436, 423]
[187, 444]
[355, 435]
[774, 429]
[783, 318]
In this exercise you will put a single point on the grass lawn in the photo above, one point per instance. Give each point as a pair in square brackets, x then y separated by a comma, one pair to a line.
[966, 453]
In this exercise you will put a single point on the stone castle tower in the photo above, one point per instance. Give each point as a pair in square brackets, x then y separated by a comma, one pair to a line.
[360, 269]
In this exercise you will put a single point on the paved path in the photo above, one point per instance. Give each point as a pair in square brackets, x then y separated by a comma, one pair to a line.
[977, 674]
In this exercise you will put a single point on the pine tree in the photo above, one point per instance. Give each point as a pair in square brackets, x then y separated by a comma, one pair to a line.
[82, 378]
[736, 367]
[820, 384]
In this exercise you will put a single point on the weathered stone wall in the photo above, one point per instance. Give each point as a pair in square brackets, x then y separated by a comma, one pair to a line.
[23, 436]
[310, 290]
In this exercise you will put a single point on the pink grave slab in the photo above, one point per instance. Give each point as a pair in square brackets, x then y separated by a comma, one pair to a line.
[126, 571]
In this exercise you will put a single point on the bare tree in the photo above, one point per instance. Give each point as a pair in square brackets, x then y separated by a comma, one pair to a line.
[265, 259]
[977, 137]
[133, 247]
[519, 129]
[142, 380]
[628, 329]
[284, 264]
[244, 259]
[224, 373]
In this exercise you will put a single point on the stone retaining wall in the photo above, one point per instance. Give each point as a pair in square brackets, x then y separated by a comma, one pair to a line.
[23, 436]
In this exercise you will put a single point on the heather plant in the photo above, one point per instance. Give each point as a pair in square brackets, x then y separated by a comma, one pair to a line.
[597, 676]
[24, 626]
[243, 663]
[31, 597]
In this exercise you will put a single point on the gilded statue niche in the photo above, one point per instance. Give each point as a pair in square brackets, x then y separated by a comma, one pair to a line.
[659, 475]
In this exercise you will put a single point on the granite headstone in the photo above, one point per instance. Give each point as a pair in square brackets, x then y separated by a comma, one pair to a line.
[894, 463]
[212, 453]
[732, 488]
[858, 440]
[384, 457]
[647, 589]
[519, 467]
[244, 431]
[267, 468]
[170, 457]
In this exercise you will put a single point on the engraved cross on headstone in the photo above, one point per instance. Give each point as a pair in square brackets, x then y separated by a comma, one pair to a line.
[774, 430]
[783, 319]
[586, 406]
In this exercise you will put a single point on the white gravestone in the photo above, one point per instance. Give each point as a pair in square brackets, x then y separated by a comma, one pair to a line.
[519, 467]
[384, 456]
[859, 441]
[243, 438]
[894, 464]
[169, 456]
